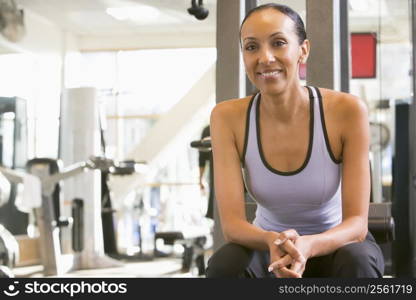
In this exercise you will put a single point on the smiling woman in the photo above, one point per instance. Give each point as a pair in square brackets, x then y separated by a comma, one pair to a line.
[260, 45]
[304, 155]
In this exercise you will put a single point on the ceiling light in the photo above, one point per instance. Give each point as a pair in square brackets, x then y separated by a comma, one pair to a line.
[137, 13]
[359, 5]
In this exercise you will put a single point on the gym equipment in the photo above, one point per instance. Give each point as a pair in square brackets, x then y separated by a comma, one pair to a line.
[9, 252]
[80, 141]
[82, 138]
[194, 242]
[4, 190]
[403, 208]
[13, 133]
[78, 225]
[13, 154]
[9, 248]
[381, 223]
[49, 222]
[13, 145]
[194, 248]
[46, 218]
[5, 272]
[122, 168]
[202, 145]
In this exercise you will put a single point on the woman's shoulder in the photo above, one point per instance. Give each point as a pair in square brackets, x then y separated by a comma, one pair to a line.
[231, 109]
[342, 105]
[228, 121]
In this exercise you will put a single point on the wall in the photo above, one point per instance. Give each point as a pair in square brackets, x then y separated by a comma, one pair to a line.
[45, 49]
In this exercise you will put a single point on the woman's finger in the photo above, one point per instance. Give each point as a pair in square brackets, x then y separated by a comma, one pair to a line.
[286, 273]
[281, 263]
[290, 234]
[297, 267]
[291, 249]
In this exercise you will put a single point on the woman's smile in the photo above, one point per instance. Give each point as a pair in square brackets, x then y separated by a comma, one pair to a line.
[270, 75]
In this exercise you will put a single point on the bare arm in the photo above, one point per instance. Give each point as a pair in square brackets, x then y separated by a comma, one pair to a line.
[355, 183]
[228, 182]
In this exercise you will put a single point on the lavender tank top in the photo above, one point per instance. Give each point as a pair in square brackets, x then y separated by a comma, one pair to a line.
[307, 199]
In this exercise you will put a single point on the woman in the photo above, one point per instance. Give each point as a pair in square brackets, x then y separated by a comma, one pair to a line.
[304, 154]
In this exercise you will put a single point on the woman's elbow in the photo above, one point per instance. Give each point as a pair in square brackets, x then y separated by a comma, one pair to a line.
[227, 238]
[363, 234]
[229, 232]
[228, 235]
[362, 231]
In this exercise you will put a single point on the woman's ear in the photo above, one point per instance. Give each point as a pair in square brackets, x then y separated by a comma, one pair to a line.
[304, 47]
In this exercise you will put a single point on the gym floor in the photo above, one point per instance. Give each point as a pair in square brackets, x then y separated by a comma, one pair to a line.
[169, 267]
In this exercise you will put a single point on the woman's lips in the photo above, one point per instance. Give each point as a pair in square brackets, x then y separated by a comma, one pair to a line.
[272, 74]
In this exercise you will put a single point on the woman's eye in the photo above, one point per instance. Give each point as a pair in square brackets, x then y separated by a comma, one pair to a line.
[278, 43]
[250, 47]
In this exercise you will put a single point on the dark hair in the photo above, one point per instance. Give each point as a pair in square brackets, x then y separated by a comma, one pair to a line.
[299, 25]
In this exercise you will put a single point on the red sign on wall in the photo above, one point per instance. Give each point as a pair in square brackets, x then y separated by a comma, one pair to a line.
[363, 56]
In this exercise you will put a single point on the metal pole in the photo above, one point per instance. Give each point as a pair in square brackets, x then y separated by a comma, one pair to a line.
[344, 47]
[250, 4]
[412, 146]
[322, 21]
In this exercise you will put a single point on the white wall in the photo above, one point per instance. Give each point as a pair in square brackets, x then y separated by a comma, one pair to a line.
[148, 41]
[44, 45]
[72, 62]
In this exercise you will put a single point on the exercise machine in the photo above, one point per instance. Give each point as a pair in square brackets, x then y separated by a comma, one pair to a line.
[48, 221]
[13, 146]
[194, 241]
[13, 154]
[9, 253]
[82, 137]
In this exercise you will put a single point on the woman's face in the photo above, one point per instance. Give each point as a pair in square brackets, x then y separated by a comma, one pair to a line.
[271, 50]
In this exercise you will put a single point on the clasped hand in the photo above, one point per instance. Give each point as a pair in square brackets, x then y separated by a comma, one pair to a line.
[289, 253]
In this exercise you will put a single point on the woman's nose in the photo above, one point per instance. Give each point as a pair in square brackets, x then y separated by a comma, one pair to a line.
[266, 56]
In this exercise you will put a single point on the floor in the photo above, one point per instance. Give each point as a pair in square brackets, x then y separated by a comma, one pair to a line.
[158, 267]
